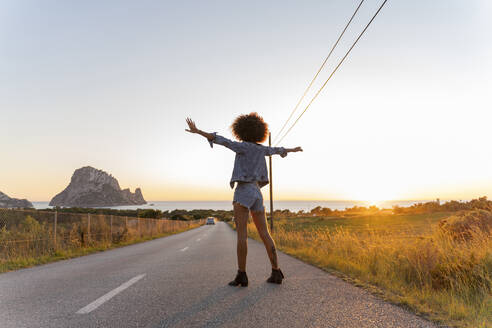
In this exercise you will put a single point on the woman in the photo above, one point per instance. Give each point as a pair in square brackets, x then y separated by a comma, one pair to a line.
[249, 174]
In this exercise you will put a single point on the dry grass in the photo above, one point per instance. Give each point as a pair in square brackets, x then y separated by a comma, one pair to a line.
[436, 273]
[29, 238]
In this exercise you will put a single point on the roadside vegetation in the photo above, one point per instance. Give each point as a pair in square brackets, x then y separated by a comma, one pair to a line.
[29, 237]
[182, 215]
[434, 259]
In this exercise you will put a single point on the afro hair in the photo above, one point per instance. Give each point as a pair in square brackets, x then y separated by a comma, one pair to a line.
[250, 127]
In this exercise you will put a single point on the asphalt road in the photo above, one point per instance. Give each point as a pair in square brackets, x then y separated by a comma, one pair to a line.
[181, 281]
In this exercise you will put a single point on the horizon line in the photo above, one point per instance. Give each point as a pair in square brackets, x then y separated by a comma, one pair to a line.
[299, 200]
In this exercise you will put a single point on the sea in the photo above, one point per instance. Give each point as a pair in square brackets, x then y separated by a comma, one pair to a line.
[293, 206]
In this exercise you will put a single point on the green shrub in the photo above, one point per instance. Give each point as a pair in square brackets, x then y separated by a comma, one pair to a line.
[30, 225]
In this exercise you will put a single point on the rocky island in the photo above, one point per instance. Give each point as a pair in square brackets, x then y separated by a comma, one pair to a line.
[90, 187]
[7, 202]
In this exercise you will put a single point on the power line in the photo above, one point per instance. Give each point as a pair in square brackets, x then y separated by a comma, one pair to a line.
[320, 68]
[334, 71]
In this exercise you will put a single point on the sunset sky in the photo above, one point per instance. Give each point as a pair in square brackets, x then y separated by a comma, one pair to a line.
[110, 83]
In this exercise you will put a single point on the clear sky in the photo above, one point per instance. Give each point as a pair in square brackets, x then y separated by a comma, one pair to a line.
[109, 84]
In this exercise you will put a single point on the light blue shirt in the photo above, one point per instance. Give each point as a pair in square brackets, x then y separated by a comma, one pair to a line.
[249, 164]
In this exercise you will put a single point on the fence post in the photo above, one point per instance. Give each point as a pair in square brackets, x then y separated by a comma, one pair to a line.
[111, 228]
[54, 228]
[126, 222]
[88, 227]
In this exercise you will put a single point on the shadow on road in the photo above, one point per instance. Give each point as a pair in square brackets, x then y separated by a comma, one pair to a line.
[208, 315]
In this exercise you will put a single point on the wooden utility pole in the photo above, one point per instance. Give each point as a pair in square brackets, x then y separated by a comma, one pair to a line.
[271, 182]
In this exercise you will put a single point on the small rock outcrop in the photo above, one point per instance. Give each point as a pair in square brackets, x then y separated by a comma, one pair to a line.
[7, 202]
[90, 187]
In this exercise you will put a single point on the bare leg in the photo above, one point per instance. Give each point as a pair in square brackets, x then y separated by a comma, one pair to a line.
[260, 222]
[241, 215]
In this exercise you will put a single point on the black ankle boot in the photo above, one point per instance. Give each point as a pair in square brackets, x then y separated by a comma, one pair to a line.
[276, 277]
[241, 279]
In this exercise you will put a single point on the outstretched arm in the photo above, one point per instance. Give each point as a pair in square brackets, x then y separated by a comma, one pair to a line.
[280, 151]
[293, 150]
[214, 137]
[193, 129]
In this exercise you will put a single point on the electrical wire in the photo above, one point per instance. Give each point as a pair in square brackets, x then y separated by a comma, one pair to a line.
[319, 70]
[333, 72]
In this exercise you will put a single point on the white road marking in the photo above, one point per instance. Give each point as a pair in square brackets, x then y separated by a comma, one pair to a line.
[101, 300]
[199, 239]
[184, 249]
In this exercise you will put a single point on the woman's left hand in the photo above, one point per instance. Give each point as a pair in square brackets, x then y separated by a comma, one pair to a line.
[191, 125]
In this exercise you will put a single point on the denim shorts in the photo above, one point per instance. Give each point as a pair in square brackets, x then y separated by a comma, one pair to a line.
[248, 194]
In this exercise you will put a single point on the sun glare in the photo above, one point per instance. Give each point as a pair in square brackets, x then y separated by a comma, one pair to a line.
[374, 196]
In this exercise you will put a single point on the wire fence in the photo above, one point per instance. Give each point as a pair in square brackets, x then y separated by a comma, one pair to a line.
[28, 233]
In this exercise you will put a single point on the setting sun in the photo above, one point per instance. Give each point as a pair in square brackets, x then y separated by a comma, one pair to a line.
[375, 196]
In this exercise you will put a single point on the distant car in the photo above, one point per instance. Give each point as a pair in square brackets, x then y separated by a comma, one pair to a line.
[210, 220]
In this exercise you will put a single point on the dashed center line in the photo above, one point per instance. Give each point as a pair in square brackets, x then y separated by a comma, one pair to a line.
[184, 249]
[106, 297]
